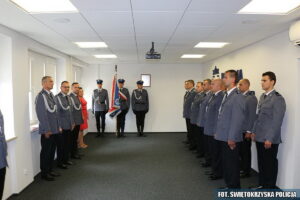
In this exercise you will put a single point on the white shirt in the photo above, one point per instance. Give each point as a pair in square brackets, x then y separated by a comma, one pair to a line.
[229, 91]
[245, 92]
[216, 93]
[74, 94]
[269, 92]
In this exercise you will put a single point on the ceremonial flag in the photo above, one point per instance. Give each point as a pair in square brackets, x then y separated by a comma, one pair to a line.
[115, 104]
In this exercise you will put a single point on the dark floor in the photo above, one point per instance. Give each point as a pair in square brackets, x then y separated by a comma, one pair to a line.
[157, 167]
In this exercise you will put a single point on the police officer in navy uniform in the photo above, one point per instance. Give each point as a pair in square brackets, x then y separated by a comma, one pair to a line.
[194, 114]
[66, 123]
[140, 106]
[78, 119]
[3, 155]
[100, 106]
[46, 110]
[203, 143]
[210, 124]
[267, 131]
[229, 129]
[124, 106]
[250, 117]
[187, 105]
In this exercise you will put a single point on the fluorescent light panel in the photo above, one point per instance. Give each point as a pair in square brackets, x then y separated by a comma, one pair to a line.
[211, 44]
[91, 44]
[276, 7]
[192, 56]
[106, 56]
[46, 6]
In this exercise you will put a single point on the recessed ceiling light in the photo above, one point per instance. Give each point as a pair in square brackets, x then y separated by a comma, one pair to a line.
[106, 56]
[211, 44]
[275, 7]
[192, 56]
[46, 6]
[91, 44]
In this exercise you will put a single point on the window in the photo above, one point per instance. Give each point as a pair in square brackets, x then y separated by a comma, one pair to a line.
[77, 74]
[39, 65]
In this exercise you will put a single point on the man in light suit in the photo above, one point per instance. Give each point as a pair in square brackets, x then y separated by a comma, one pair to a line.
[267, 131]
[46, 111]
[66, 123]
[187, 104]
[229, 129]
[203, 143]
[100, 106]
[211, 119]
[250, 117]
[3, 155]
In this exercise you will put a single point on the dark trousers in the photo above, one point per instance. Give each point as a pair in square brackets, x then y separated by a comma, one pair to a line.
[245, 155]
[2, 179]
[231, 165]
[121, 121]
[58, 148]
[74, 138]
[66, 135]
[188, 128]
[140, 120]
[267, 165]
[98, 115]
[199, 140]
[194, 130]
[216, 155]
[207, 148]
[46, 159]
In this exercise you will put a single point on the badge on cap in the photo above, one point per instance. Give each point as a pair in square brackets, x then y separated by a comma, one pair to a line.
[99, 81]
[140, 82]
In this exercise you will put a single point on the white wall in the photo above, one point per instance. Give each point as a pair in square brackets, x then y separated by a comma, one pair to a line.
[22, 152]
[279, 55]
[165, 94]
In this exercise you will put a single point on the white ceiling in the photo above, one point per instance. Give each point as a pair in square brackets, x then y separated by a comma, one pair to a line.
[129, 26]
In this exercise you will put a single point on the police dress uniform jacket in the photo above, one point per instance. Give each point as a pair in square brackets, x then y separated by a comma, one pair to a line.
[250, 112]
[202, 109]
[46, 111]
[76, 109]
[270, 110]
[100, 101]
[231, 117]
[196, 106]
[212, 112]
[187, 103]
[140, 100]
[124, 103]
[64, 110]
[3, 145]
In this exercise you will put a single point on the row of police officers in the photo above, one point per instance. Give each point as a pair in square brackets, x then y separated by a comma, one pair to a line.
[60, 118]
[223, 117]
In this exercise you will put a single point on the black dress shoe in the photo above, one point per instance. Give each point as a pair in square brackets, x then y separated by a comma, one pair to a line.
[205, 165]
[54, 174]
[256, 187]
[245, 175]
[62, 166]
[47, 177]
[208, 173]
[98, 134]
[214, 177]
[223, 188]
[192, 148]
[76, 157]
[200, 156]
[69, 163]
